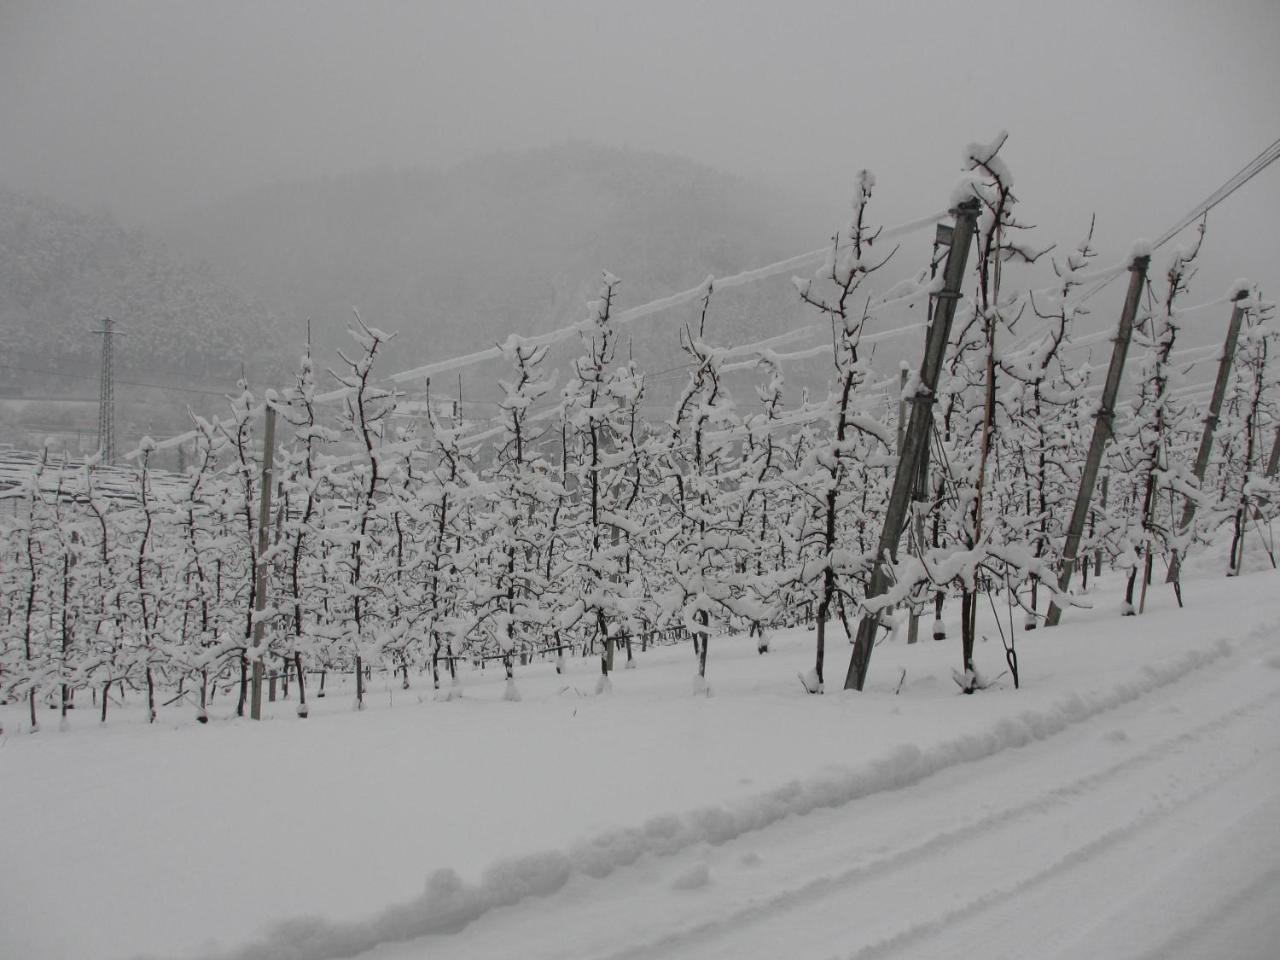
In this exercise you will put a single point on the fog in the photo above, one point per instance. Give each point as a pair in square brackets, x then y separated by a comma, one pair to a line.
[1134, 111]
[147, 106]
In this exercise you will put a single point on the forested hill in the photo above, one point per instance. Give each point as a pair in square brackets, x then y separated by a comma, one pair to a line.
[451, 259]
[61, 269]
[515, 242]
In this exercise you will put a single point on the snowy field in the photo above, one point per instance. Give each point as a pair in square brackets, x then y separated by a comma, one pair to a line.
[1124, 803]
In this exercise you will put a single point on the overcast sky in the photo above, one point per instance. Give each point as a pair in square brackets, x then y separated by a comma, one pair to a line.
[1133, 110]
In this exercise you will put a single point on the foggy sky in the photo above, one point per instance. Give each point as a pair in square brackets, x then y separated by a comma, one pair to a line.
[1133, 110]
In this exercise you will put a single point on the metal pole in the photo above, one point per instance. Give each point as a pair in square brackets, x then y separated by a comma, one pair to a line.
[264, 531]
[916, 442]
[1102, 429]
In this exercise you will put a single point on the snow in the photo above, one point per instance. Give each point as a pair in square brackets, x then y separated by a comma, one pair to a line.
[1239, 289]
[966, 188]
[985, 154]
[1122, 803]
[699, 875]
[1140, 249]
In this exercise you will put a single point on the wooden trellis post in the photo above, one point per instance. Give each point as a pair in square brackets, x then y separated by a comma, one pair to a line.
[264, 536]
[917, 543]
[1274, 460]
[1210, 424]
[916, 442]
[1102, 430]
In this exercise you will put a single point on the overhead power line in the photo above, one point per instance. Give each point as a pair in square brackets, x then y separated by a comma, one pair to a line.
[645, 309]
[1268, 156]
[1250, 170]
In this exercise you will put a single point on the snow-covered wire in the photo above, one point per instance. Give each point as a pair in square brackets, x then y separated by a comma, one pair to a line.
[1268, 156]
[642, 310]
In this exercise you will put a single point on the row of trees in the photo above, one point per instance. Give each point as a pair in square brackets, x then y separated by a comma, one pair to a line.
[401, 537]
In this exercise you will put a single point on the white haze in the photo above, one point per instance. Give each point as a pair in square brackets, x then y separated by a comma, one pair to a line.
[1134, 111]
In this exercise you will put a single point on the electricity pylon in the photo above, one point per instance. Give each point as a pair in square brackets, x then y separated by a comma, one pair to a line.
[107, 395]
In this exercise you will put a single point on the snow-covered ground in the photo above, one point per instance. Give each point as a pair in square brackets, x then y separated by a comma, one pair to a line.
[1124, 803]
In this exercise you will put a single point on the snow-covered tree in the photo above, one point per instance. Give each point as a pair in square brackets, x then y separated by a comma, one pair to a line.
[511, 587]
[307, 492]
[851, 260]
[707, 545]
[358, 545]
[597, 411]
[1044, 436]
[1155, 467]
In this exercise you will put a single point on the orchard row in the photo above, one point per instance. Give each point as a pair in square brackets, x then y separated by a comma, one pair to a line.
[367, 538]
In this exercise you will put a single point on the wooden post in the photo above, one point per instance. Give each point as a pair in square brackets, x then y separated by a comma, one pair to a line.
[902, 404]
[1215, 404]
[921, 498]
[1210, 424]
[264, 531]
[1102, 429]
[916, 441]
[1097, 554]
[913, 615]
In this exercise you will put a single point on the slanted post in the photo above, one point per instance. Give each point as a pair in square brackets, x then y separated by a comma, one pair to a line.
[916, 441]
[264, 531]
[920, 496]
[1210, 423]
[1097, 554]
[1273, 462]
[1215, 404]
[1102, 429]
[913, 615]
[902, 404]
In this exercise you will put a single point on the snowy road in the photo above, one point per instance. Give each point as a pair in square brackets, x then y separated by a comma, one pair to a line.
[1149, 829]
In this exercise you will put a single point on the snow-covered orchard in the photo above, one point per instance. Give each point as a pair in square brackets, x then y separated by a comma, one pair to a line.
[393, 537]
[334, 543]
[1123, 801]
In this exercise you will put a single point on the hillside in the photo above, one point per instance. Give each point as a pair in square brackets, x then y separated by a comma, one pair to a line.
[61, 269]
[452, 259]
[459, 258]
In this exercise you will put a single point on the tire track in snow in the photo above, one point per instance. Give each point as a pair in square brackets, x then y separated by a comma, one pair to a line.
[1197, 940]
[1147, 818]
[1204, 883]
[448, 904]
[966, 833]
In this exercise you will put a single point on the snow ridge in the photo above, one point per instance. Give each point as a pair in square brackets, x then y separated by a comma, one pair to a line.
[448, 903]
